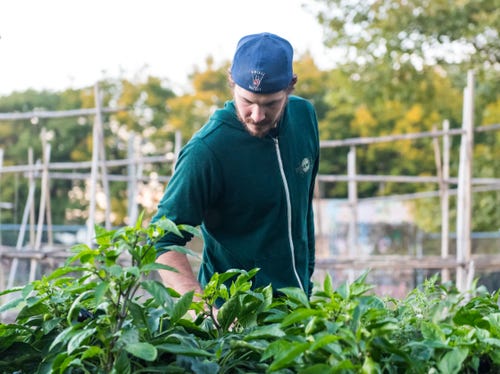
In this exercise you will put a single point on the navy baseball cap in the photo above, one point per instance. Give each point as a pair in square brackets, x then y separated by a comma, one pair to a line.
[262, 63]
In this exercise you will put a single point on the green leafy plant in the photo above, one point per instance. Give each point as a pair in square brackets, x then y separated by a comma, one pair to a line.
[105, 312]
[101, 312]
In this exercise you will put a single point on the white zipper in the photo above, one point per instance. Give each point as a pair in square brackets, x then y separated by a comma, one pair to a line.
[289, 211]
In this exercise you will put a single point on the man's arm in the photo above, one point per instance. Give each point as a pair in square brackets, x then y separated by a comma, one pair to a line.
[182, 281]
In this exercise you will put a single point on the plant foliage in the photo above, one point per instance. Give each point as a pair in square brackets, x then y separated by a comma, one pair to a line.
[104, 312]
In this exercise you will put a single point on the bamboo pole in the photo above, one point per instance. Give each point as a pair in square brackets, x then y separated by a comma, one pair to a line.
[85, 164]
[32, 205]
[93, 182]
[445, 201]
[1, 167]
[464, 196]
[48, 210]
[101, 146]
[56, 114]
[442, 169]
[134, 175]
[28, 210]
[2, 275]
[352, 237]
[41, 210]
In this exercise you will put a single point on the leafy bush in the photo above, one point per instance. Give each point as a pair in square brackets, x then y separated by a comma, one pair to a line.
[104, 312]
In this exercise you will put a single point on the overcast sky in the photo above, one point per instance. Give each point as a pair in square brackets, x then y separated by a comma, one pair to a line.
[56, 44]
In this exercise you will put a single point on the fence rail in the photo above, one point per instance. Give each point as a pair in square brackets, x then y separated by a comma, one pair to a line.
[98, 172]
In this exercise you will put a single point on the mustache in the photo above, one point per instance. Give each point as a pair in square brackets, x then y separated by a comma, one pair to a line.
[264, 122]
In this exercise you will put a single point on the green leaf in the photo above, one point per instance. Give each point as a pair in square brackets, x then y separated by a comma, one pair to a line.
[228, 313]
[285, 358]
[132, 270]
[84, 254]
[159, 293]
[102, 236]
[91, 352]
[37, 309]
[145, 351]
[64, 336]
[265, 332]
[77, 339]
[75, 306]
[115, 271]
[184, 250]
[122, 364]
[299, 315]
[370, 366]
[179, 349]
[327, 284]
[317, 369]
[324, 341]
[51, 324]
[182, 306]
[168, 226]
[138, 222]
[157, 266]
[359, 286]
[344, 291]
[11, 304]
[228, 274]
[138, 313]
[493, 320]
[129, 335]
[100, 291]
[451, 363]
[59, 272]
[11, 290]
[190, 229]
[432, 331]
[296, 294]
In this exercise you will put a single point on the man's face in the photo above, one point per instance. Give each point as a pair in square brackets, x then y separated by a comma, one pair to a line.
[259, 113]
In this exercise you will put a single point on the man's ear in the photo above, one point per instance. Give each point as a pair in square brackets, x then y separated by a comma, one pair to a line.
[291, 87]
[230, 79]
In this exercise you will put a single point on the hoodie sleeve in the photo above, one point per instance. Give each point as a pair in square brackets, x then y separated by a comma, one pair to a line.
[194, 186]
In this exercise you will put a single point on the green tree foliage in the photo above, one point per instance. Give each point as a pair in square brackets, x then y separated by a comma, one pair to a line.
[403, 70]
[210, 89]
[424, 32]
[396, 75]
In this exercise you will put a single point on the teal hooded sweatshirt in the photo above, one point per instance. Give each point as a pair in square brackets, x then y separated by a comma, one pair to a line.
[252, 197]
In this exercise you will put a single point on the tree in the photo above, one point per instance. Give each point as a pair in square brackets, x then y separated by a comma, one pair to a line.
[210, 89]
[403, 69]
[423, 32]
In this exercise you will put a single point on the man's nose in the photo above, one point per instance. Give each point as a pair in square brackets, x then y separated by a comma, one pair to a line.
[257, 114]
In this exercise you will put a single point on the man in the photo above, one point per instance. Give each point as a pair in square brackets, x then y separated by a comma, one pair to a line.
[247, 177]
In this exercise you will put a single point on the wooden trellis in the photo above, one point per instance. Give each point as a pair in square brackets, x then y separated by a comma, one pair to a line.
[98, 167]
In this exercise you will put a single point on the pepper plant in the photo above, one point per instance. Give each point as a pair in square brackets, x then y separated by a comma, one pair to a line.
[104, 311]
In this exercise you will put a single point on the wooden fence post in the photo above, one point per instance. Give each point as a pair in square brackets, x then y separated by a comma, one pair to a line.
[352, 235]
[464, 195]
[443, 172]
[98, 160]
[445, 201]
[135, 171]
[102, 157]
[27, 214]
[42, 210]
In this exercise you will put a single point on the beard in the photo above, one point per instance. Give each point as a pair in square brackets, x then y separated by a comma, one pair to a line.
[262, 128]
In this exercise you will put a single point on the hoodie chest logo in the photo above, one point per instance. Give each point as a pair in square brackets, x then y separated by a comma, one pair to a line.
[305, 166]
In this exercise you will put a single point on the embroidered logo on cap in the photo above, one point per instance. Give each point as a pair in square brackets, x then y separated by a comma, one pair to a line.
[257, 77]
